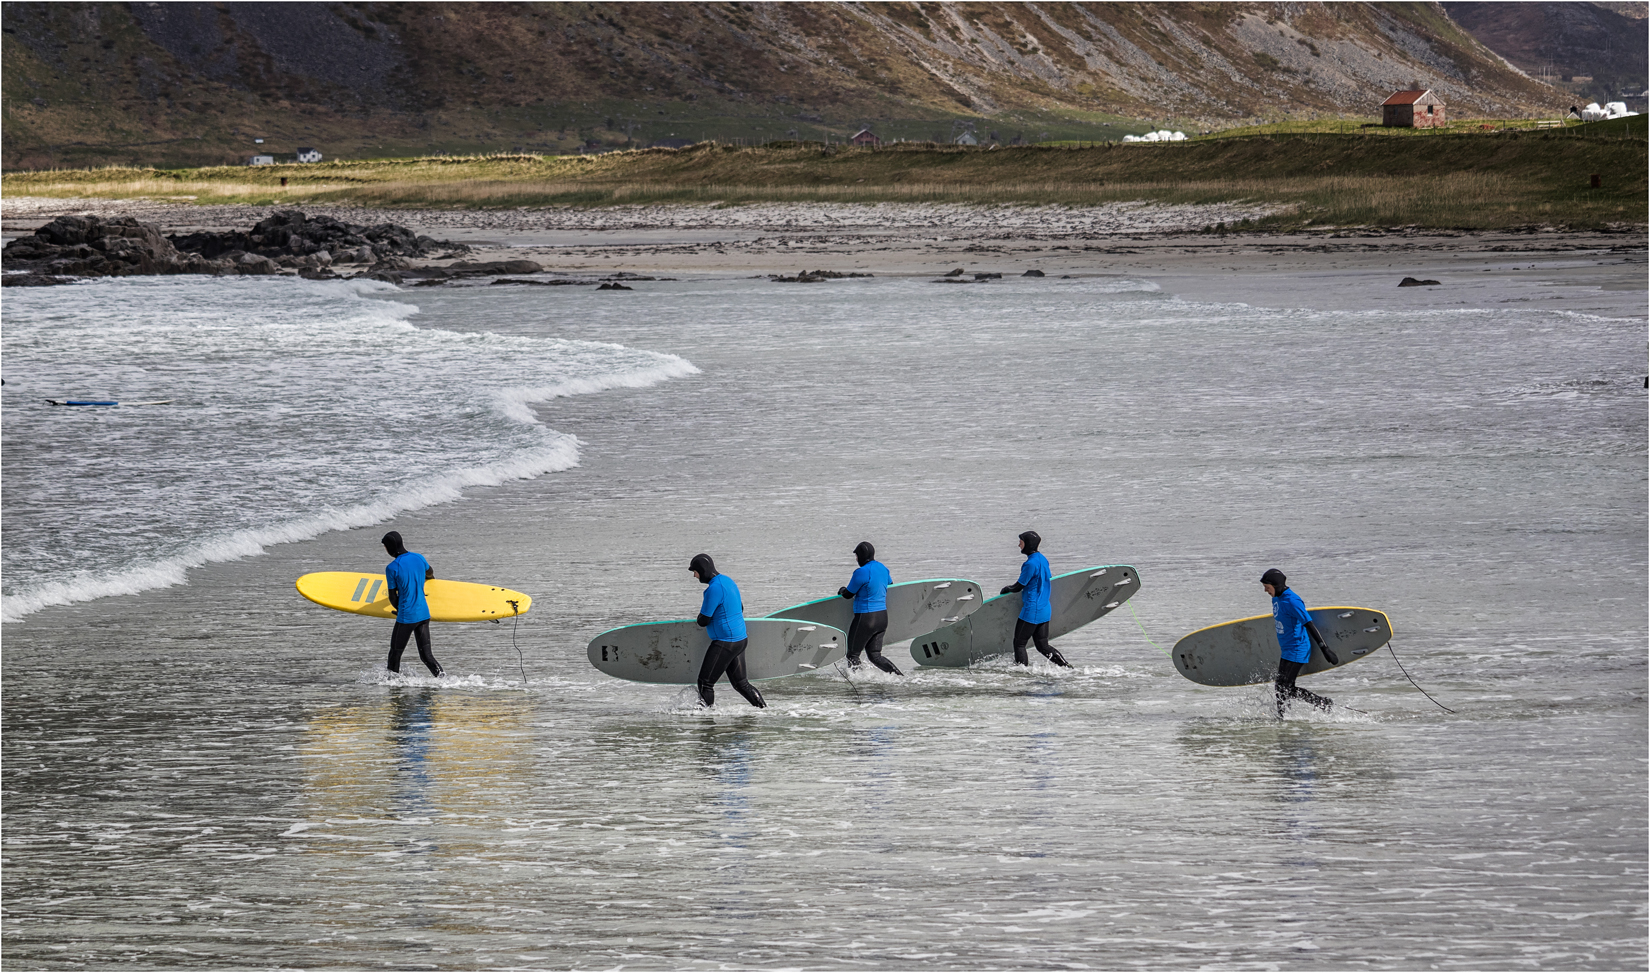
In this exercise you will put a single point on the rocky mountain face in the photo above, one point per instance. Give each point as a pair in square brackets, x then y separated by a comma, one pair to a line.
[1567, 39]
[196, 83]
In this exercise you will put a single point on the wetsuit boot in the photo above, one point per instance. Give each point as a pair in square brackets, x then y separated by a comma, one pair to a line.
[884, 663]
[1055, 657]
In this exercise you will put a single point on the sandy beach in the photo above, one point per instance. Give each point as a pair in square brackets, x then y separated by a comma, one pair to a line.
[913, 240]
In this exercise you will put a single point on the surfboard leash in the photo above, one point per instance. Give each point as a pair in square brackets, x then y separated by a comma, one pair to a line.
[1412, 681]
[851, 684]
[521, 660]
[1142, 628]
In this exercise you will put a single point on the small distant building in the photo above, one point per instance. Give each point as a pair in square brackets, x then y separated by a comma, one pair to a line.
[865, 137]
[262, 160]
[966, 138]
[307, 154]
[1413, 109]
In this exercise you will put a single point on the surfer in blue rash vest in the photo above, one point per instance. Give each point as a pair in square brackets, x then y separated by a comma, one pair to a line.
[868, 587]
[1036, 582]
[723, 613]
[1296, 636]
[405, 577]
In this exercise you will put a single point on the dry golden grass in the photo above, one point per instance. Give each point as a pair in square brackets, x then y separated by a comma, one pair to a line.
[1454, 181]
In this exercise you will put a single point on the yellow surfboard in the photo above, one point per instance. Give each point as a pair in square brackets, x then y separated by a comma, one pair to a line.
[449, 601]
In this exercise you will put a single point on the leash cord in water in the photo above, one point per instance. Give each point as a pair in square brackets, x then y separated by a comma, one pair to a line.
[851, 683]
[1412, 681]
[1142, 628]
[521, 660]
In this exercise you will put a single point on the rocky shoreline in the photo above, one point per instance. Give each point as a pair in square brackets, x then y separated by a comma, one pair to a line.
[286, 241]
[800, 217]
[556, 247]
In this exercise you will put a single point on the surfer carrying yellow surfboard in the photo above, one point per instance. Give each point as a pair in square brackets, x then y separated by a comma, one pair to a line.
[1294, 627]
[405, 577]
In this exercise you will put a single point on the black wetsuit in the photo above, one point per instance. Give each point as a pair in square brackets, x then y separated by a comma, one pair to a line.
[865, 634]
[1287, 690]
[398, 644]
[1296, 632]
[867, 629]
[723, 655]
[406, 602]
[729, 658]
[1025, 632]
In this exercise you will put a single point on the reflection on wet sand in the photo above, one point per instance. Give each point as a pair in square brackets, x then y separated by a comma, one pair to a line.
[1298, 762]
[415, 756]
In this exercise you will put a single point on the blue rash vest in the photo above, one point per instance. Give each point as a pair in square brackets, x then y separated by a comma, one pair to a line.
[1290, 614]
[725, 608]
[1038, 580]
[405, 574]
[869, 584]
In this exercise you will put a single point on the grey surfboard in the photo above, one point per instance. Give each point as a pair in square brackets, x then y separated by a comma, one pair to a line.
[671, 652]
[914, 607]
[1076, 597]
[1245, 652]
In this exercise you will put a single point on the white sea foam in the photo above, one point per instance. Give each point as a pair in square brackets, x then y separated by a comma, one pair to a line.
[297, 408]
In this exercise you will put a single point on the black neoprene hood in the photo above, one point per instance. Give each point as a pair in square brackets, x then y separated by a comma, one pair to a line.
[1275, 578]
[864, 552]
[704, 567]
[392, 543]
[1032, 539]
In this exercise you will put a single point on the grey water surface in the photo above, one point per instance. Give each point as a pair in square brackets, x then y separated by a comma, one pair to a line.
[217, 773]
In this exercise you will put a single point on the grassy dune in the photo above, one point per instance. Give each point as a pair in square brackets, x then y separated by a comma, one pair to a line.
[1446, 180]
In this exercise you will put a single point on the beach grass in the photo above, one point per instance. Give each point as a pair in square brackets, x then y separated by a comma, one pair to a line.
[1448, 180]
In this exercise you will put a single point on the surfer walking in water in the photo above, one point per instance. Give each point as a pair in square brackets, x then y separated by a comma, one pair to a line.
[723, 613]
[405, 577]
[868, 587]
[1296, 636]
[1035, 584]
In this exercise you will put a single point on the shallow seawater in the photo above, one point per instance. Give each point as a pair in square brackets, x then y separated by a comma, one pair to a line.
[218, 774]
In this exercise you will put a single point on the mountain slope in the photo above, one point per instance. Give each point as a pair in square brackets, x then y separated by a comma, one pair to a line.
[1565, 39]
[195, 83]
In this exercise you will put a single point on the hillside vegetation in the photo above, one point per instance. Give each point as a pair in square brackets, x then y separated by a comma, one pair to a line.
[1463, 181]
[192, 83]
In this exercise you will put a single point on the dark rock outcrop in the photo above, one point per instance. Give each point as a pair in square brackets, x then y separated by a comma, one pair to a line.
[289, 233]
[1412, 282]
[814, 277]
[397, 270]
[615, 287]
[88, 246]
[482, 268]
[91, 246]
[1032, 273]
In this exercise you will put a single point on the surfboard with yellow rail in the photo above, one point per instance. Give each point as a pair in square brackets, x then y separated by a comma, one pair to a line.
[449, 601]
[1245, 651]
